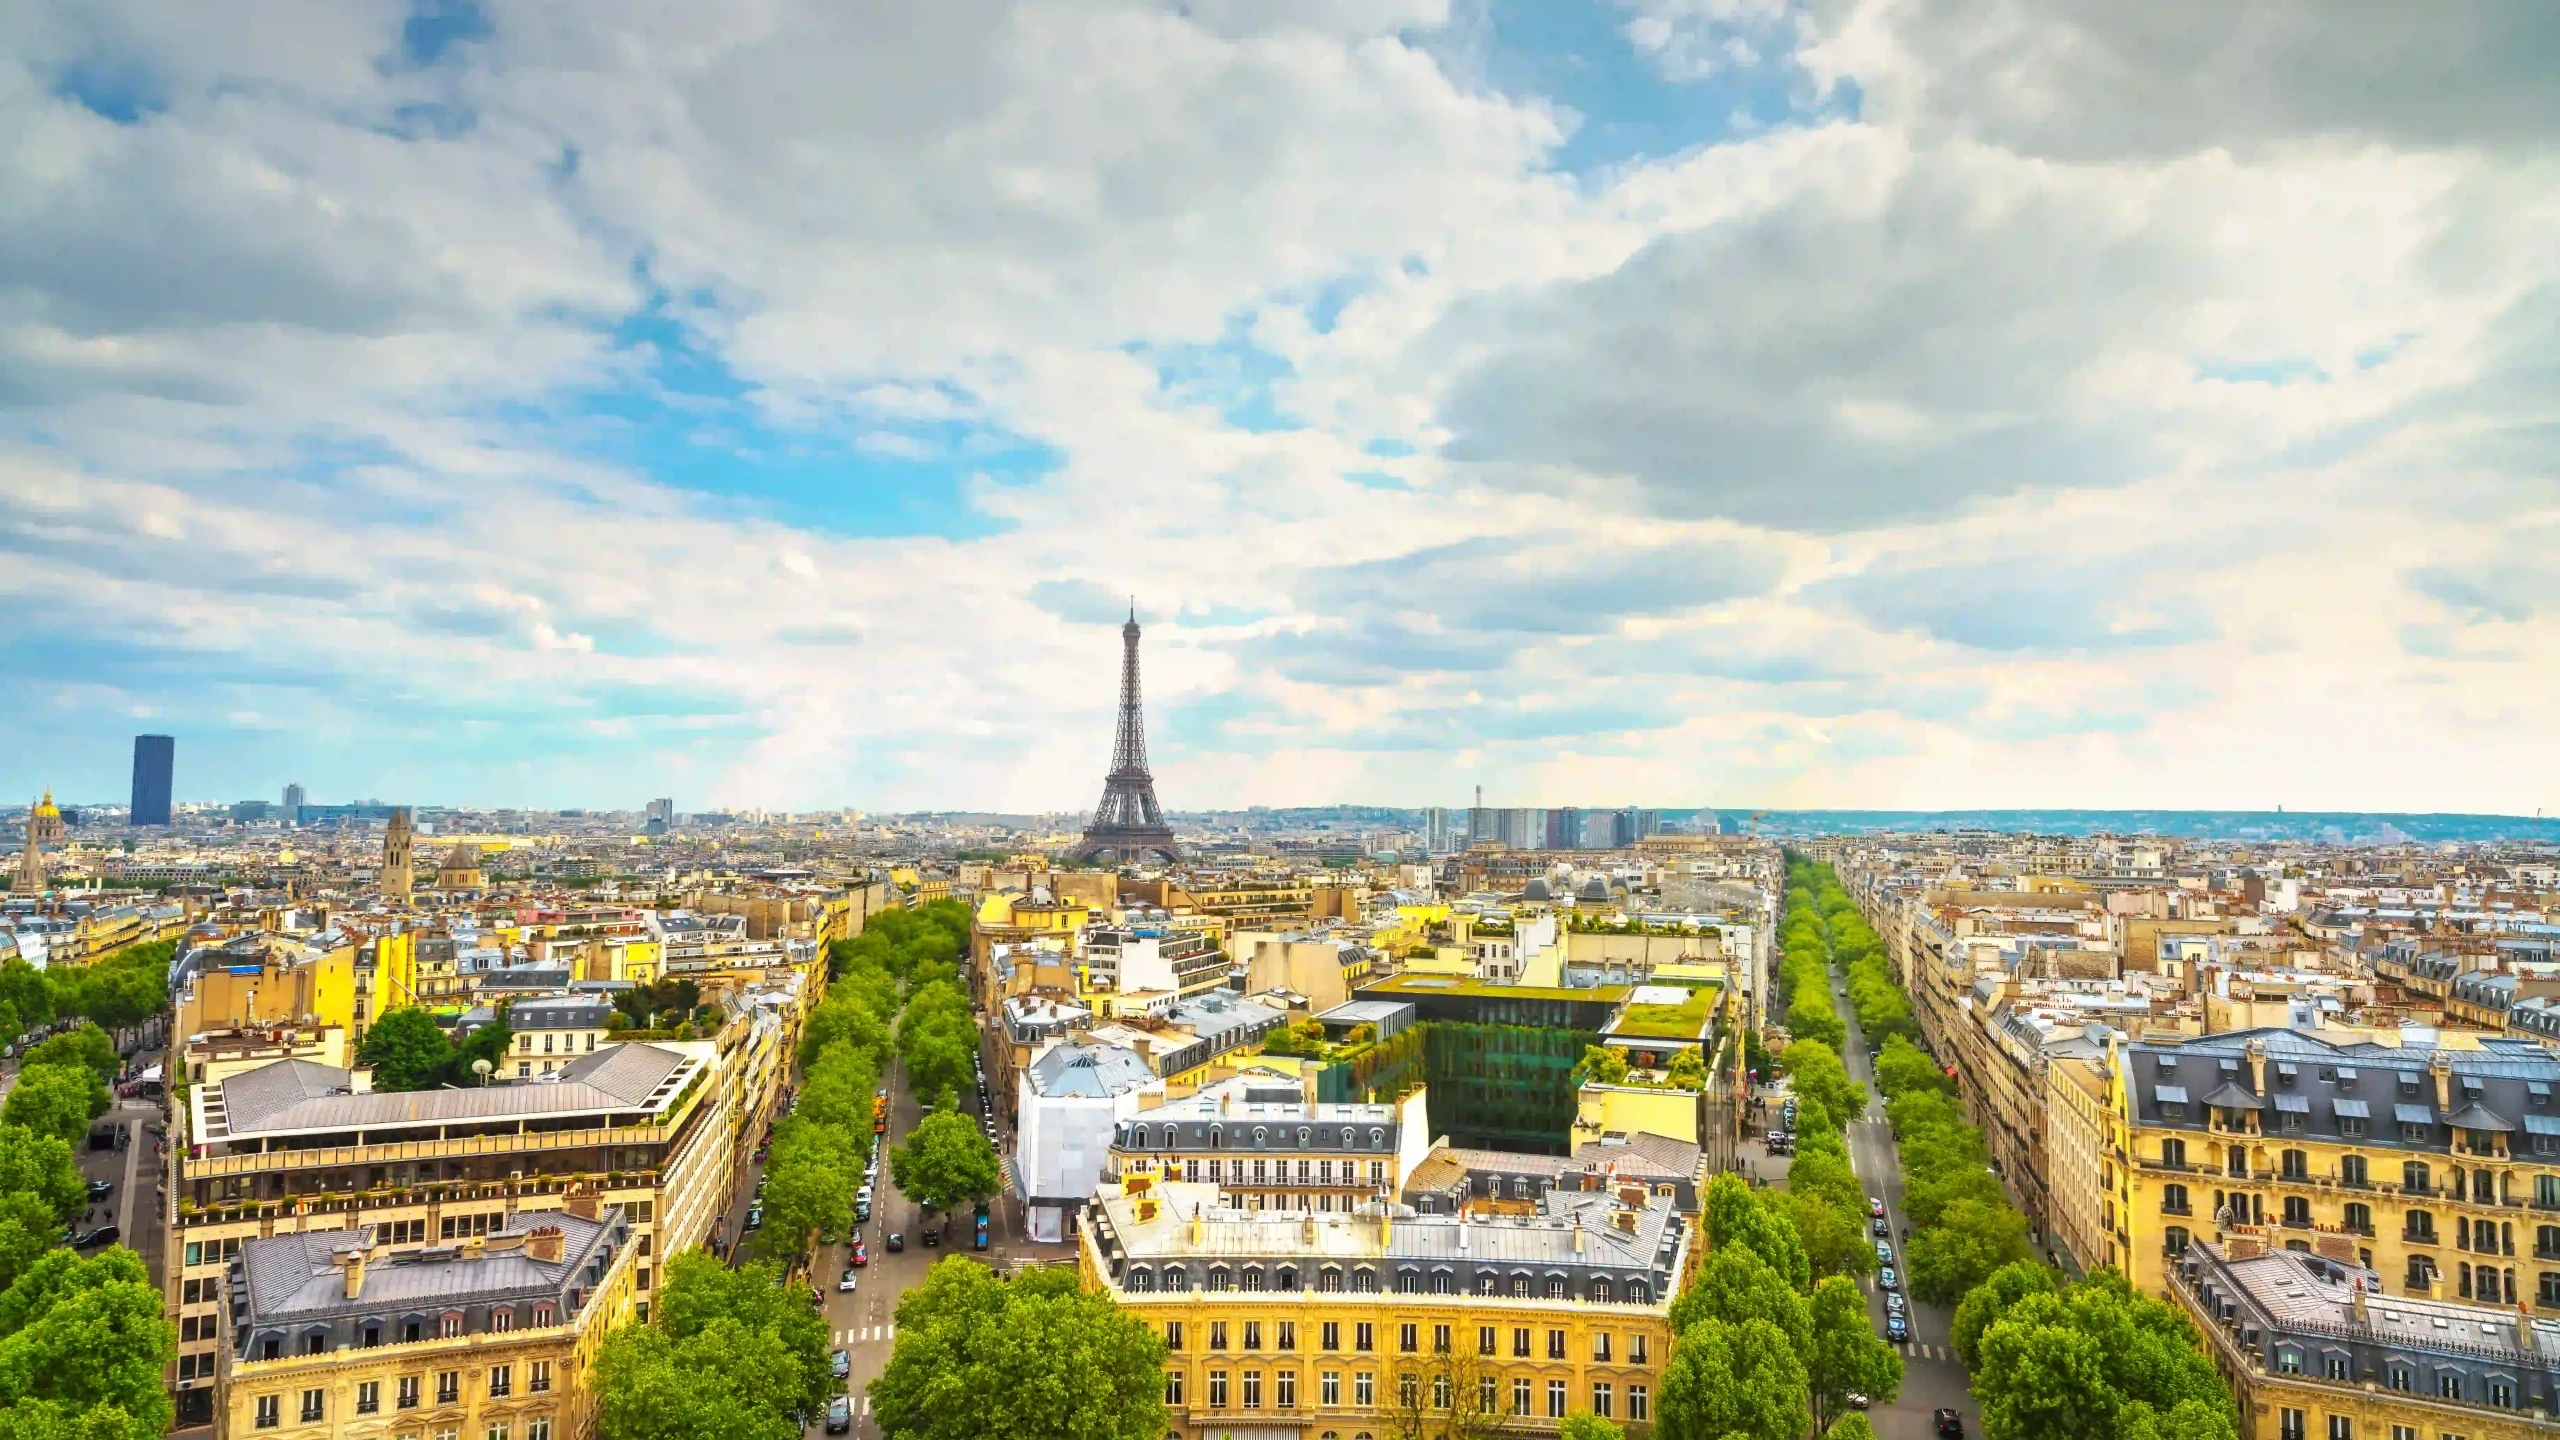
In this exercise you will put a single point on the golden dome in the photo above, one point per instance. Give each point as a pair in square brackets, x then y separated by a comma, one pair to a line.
[46, 810]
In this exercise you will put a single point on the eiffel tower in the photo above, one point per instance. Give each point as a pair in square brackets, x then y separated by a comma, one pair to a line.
[1128, 824]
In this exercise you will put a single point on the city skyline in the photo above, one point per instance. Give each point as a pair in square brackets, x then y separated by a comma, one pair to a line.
[1636, 398]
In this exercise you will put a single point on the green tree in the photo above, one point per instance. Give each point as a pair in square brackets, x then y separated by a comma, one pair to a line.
[24, 991]
[490, 1042]
[1846, 1356]
[1852, 1426]
[1583, 1425]
[1835, 1241]
[944, 1162]
[28, 1230]
[730, 1381]
[2041, 1378]
[1736, 1285]
[1903, 1067]
[2098, 1360]
[1735, 1215]
[406, 1050]
[1733, 1382]
[43, 1166]
[1985, 1303]
[1603, 1065]
[87, 1045]
[57, 1100]
[1970, 1240]
[1688, 1070]
[979, 1356]
[2188, 1420]
[86, 1335]
[1814, 1071]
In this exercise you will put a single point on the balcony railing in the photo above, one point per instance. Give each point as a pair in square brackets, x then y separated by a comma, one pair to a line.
[200, 1167]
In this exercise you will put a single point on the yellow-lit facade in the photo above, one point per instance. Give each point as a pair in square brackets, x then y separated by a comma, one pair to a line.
[1350, 1363]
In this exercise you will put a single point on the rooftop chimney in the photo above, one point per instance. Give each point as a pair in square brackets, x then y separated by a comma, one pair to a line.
[350, 1263]
[2363, 1310]
[545, 1243]
[583, 1202]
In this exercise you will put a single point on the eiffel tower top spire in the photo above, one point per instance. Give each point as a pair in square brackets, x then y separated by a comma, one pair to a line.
[1128, 823]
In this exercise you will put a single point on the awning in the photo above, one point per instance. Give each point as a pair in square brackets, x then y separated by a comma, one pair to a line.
[2347, 1075]
[2294, 1104]
[2537, 1087]
[2542, 1124]
[2287, 1069]
[2169, 1094]
[2413, 1114]
[2351, 1109]
[2478, 1117]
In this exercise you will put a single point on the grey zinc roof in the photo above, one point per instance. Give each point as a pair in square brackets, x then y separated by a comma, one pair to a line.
[1094, 1071]
[310, 1097]
[2507, 1076]
[292, 1278]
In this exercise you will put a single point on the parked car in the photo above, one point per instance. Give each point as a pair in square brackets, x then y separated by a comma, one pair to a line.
[1893, 1302]
[1897, 1328]
[1950, 1424]
[932, 1237]
[840, 1363]
[1884, 1252]
[861, 1252]
[91, 1239]
[847, 1285]
[897, 1241]
[1881, 1226]
[755, 1217]
[1887, 1280]
[100, 1190]
[839, 1415]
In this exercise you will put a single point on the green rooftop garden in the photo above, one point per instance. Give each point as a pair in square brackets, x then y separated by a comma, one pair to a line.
[1684, 1021]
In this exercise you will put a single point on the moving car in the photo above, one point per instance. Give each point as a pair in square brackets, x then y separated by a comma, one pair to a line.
[1875, 1206]
[1950, 1424]
[1896, 1328]
[839, 1415]
[1884, 1252]
[849, 1282]
[755, 1217]
[1893, 1302]
[91, 1239]
[840, 1363]
[897, 1241]
[932, 1237]
[1881, 1226]
[1887, 1280]
[100, 1190]
[861, 1252]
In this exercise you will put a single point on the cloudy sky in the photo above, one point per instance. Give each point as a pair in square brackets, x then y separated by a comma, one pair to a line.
[1729, 402]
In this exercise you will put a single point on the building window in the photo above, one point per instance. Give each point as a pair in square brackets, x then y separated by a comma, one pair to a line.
[2173, 1200]
[1332, 1335]
[448, 1387]
[1364, 1336]
[1364, 1387]
[502, 1381]
[2288, 1361]
[1441, 1395]
[1217, 1389]
[2341, 1428]
[408, 1392]
[270, 1411]
[1409, 1338]
[1488, 1340]
[2502, 1394]
[1555, 1344]
[2449, 1384]
[1329, 1387]
[1555, 1399]
[1286, 1396]
[2288, 1425]
[1253, 1334]
[540, 1429]
[2421, 1227]
[449, 1327]
[1637, 1408]
[1173, 1334]
[1440, 1340]
[1288, 1334]
[1173, 1387]
[369, 1397]
[1520, 1344]
[538, 1378]
[1602, 1401]
[1253, 1389]
[313, 1406]
[1637, 1350]
[2297, 1212]
[2359, 1217]
[1408, 1390]
[1217, 1334]
[1600, 1348]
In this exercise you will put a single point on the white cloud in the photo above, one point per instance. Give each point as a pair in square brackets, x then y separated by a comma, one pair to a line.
[2066, 426]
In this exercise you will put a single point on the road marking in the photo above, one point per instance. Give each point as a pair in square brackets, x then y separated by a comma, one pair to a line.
[866, 1404]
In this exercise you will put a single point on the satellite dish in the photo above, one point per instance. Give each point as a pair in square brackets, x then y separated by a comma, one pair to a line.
[481, 1068]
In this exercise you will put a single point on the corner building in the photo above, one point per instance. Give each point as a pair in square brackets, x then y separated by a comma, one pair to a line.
[2434, 1163]
[1287, 1324]
[331, 1335]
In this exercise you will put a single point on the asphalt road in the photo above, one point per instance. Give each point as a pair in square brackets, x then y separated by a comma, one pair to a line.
[1932, 1377]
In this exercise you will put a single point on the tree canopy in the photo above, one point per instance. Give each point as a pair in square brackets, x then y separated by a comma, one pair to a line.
[945, 1162]
[731, 1354]
[407, 1050]
[56, 1100]
[1036, 1355]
